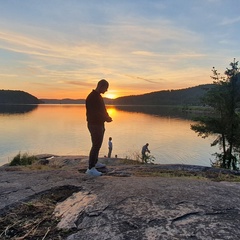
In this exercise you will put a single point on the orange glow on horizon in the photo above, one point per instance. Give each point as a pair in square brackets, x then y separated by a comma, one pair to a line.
[110, 95]
[83, 95]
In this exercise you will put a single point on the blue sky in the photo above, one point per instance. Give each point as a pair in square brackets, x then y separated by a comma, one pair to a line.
[61, 48]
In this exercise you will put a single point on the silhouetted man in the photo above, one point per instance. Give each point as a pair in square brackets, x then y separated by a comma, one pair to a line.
[96, 117]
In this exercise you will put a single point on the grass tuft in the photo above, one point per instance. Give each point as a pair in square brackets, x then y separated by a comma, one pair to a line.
[23, 160]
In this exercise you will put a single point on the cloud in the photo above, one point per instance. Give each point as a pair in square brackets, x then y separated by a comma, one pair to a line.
[144, 53]
[7, 75]
[145, 45]
[81, 83]
[85, 60]
[108, 44]
[154, 81]
[179, 55]
[44, 47]
[27, 45]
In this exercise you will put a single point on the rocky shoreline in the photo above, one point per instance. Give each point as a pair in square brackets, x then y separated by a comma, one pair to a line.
[55, 199]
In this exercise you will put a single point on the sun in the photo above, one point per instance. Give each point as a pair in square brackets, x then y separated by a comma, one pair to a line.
[110, 95]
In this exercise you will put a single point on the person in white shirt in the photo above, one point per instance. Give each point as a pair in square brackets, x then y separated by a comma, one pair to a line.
[110, 147]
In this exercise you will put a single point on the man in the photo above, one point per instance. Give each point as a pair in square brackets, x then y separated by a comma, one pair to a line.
[144, 150]
[96, 117]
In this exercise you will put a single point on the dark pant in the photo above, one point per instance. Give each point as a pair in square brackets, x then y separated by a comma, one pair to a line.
[97, 133]
[109, 152]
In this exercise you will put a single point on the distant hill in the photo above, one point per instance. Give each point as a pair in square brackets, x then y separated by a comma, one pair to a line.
[63, 101]
[17, 97]
[188, 96]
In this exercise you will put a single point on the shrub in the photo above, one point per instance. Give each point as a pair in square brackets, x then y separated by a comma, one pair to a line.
[138, 157]
[23, 160]
[148, 159]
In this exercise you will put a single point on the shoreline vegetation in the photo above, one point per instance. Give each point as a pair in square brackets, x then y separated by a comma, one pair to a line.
[26, 162]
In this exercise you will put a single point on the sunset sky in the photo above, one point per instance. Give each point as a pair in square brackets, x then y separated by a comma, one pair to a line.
[62, 48]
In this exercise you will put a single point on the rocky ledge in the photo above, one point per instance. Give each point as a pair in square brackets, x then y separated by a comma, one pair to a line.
[55, 199]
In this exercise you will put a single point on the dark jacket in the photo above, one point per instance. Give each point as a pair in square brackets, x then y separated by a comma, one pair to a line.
[96, 110]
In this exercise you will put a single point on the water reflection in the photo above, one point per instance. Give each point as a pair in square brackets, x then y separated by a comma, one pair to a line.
[62, 130]
[17, 109]
[173, 111]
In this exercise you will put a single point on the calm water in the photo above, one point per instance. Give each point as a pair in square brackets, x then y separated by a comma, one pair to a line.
[61, 130]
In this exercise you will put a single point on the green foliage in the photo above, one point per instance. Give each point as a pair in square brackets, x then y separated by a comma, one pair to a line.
[224, 98]
[22, 160]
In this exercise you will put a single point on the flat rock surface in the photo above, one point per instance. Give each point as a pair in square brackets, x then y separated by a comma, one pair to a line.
[124, 205]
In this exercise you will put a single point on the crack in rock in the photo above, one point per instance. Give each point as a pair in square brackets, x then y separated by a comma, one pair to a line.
[198, 213]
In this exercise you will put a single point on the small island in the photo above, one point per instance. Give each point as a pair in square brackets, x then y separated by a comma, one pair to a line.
[17, 97]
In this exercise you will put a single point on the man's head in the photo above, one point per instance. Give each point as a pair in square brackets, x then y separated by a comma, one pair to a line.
[102, 86]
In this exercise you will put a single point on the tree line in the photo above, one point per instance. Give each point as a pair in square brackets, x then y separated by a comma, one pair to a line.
[17, 97]
[187, 96]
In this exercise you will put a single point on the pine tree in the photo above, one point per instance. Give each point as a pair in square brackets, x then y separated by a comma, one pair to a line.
[224, 98]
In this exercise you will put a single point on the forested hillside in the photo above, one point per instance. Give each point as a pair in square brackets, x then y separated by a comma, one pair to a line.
[63, 101]
[17, 97]
[188, 96]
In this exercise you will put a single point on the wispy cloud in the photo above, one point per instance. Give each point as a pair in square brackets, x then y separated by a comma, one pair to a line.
[8, 75]
[140, 45]
[145, 53]
[154, 81]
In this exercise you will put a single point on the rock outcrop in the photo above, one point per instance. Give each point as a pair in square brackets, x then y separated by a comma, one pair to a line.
[129, 201]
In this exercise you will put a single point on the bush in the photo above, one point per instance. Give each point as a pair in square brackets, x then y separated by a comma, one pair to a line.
[148, 159]
[136, 156]
[23, 160]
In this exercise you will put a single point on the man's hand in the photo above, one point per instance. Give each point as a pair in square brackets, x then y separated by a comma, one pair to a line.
[109, 119]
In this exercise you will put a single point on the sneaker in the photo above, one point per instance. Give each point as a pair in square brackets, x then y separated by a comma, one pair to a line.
[100, 165]
[93, 172]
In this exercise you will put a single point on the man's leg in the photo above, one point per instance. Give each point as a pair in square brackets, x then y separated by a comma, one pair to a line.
[97, 133]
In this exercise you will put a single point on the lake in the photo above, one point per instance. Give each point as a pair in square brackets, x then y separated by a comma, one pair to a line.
[62, 130]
